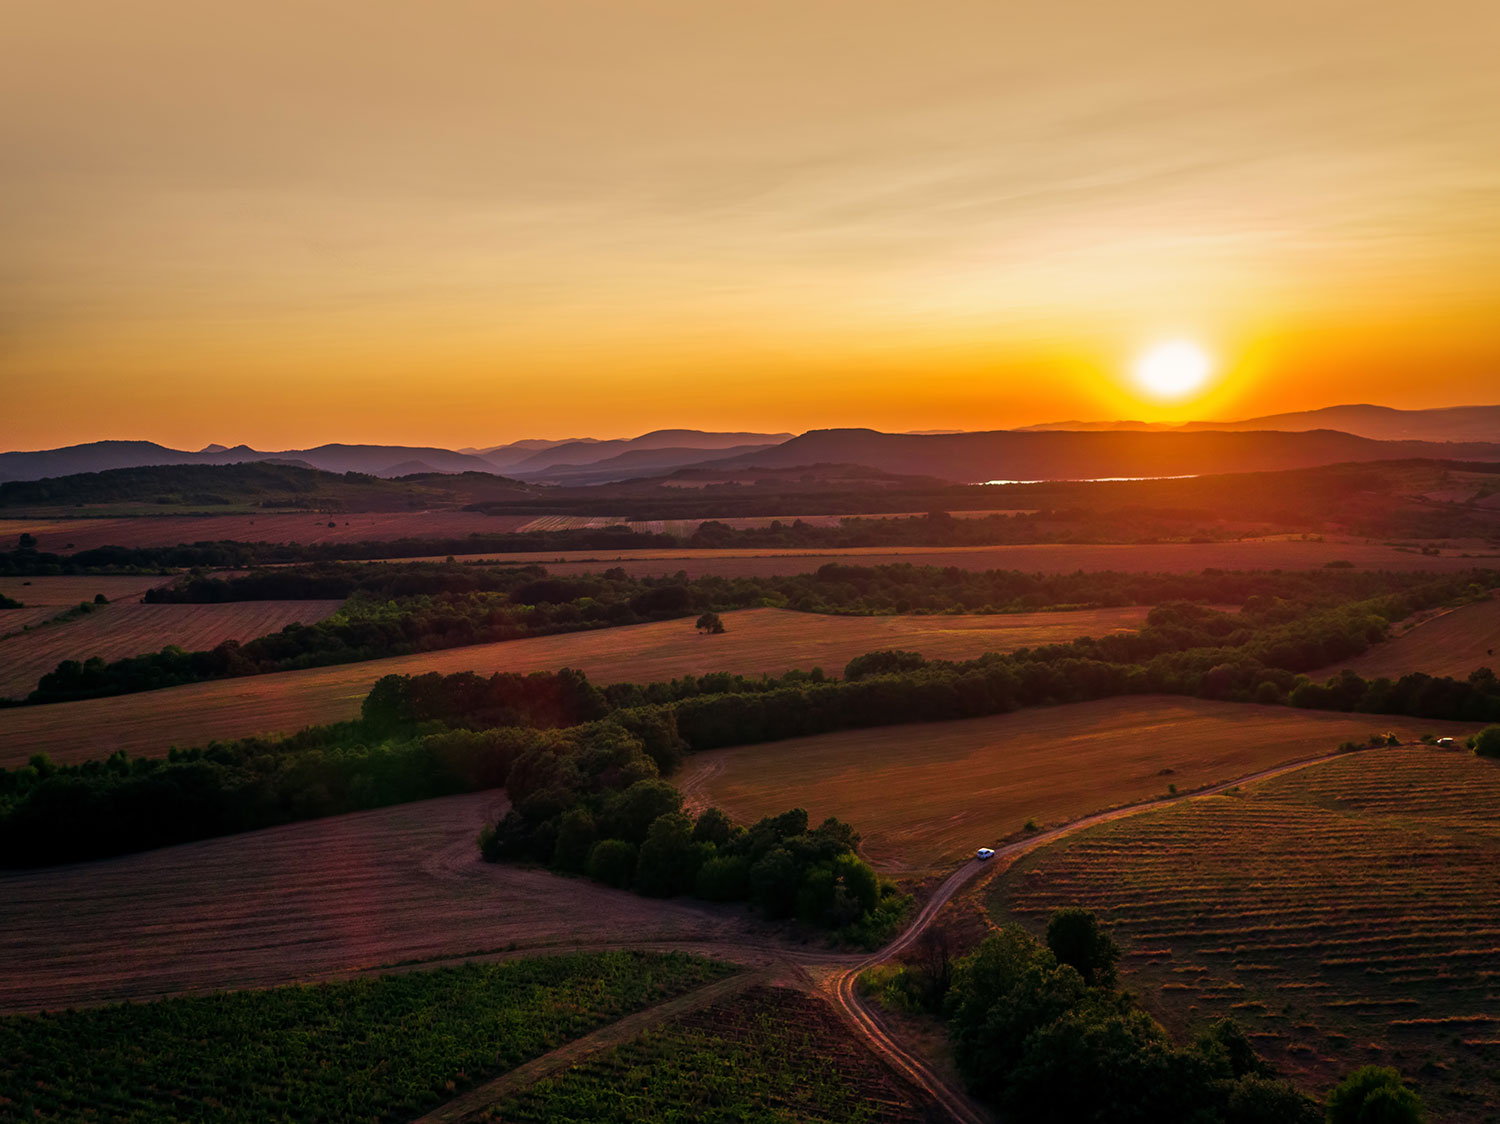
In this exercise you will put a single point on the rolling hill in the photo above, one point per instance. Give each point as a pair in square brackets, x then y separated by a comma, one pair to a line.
[578, 453]
[526, 457]
[1056, 455]
[1380, 423]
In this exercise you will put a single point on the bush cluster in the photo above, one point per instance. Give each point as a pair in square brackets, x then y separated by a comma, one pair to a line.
[1043, 1032]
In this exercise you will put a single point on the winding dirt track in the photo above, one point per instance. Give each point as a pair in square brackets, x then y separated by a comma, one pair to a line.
[360, 894]
[840, 973]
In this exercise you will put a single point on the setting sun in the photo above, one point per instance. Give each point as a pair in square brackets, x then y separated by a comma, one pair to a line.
[1171, 370]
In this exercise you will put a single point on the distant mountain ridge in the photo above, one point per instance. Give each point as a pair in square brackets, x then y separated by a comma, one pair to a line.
[1053, 451]
[372, 460]
[629, 465]
[972, 458]
[1380, 423]
[579, 453]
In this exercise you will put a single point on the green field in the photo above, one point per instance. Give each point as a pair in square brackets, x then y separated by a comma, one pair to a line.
[377, 1049]
[771, 1055]
[1345, 915]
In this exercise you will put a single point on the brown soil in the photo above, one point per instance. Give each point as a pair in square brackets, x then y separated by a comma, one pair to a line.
[757, 641]
[305, 901]
[1451, 643]
[924, 795]
[125, 628]
[1249, 554]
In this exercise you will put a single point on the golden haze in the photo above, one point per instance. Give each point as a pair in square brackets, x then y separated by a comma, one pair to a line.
[462, 223]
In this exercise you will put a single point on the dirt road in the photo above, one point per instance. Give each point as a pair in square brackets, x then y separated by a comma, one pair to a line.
[843, 984]
[836, 975]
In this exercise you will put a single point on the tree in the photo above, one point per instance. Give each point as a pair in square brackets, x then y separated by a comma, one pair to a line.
[713, 826]
[1255, 1099]
[1487, 742]
[723, 878]
[774, 883]
[576, 835]
[1075, 937]
[631, 813]
[1374, 1095]
[668, 862]
[612, 861]
[888, 661]
[711, 624]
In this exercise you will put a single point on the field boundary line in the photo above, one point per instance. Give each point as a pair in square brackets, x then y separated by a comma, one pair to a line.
[614, 1034]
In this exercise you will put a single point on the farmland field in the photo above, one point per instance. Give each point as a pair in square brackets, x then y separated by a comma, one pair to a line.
[307, 901]
[772, 1055]
[124, 629]
[45, 597]
[758, 640]
[924, 794]
[63, 536]
[376, 1049]
[1345, 914]
[1247, 554]
[1449, 643]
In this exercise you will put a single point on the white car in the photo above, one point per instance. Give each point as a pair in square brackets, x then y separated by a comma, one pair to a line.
[984, 853]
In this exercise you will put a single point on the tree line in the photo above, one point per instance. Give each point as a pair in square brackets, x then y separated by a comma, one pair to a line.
[401, 608]
[433, 735]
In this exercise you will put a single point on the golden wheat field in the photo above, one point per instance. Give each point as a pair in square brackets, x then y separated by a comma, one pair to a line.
[126, 628]
[925, 794]
[758, 641]
[305, 901]
[1344, 914]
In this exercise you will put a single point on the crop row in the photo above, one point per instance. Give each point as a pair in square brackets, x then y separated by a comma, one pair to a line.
[1344, 913]
[772, 1054]
[375, 1049]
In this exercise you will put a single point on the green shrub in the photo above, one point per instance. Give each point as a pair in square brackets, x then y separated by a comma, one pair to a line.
[1374, 1095]
[612, 861]
[1487, 742]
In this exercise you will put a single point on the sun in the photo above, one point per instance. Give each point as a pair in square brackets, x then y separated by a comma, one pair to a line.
[1173, 369]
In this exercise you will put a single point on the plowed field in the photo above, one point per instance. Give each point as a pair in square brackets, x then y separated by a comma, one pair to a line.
[1251, 554]
[309, 900]
[1452, 643]
[758, 640]
[44, 598]
[63, 536]
[1344, 914]
[123, 629]
[923, 795]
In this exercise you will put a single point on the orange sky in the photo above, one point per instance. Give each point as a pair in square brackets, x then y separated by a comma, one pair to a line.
[464, 223]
